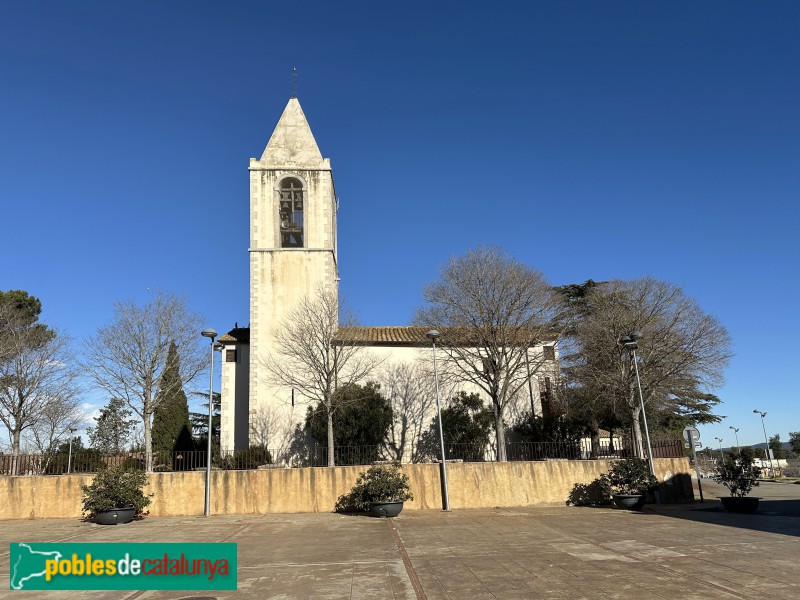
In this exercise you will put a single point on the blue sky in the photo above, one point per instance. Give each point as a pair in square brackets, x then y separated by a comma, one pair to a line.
[589, 139]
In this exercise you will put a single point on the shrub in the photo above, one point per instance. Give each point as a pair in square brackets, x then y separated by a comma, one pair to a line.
[738, 474]
[116, 487]
[631, 476]
[246, 458]
[380, 483]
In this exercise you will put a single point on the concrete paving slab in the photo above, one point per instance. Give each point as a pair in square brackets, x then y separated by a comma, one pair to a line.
[559, 553]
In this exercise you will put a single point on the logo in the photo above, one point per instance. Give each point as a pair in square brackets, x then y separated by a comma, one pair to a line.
[115, 566]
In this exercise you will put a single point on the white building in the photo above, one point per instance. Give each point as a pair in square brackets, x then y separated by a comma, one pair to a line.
[293, 253]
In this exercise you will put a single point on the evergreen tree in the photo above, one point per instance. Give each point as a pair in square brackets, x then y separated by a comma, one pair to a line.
[776, 446]
[171, 425]
[361, 420]
[199, 423]
[114, 427]
[467, 425]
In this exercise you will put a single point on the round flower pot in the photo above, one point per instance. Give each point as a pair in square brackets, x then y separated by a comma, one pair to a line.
[385, 509]
[629, 501]
[744, 505]
[115, 516]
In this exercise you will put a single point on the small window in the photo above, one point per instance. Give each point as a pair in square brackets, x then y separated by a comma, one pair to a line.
[549, 352]
[290, 213]
[230, 355]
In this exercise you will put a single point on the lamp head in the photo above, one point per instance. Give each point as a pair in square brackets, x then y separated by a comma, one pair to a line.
[432, 335]
[209, 333]
[636, 335]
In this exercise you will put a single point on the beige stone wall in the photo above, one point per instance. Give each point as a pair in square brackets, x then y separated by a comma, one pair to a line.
[471, 485]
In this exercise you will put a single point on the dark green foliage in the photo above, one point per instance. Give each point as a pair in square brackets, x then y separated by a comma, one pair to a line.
[114, 427]
[467, 425]
[738, 474]
[199, 422]
[379, 483]
[84, 460]
[250, 458]
[630, 476]
[116, 487]
[171, 426]
[757, 452]
[596, 493]
[777, 447]
[554, 429]
[19, 307]
[361, 419]
[794, 440]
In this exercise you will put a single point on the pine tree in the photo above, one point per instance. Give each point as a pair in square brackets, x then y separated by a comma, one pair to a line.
[171, 425]
[114, 427]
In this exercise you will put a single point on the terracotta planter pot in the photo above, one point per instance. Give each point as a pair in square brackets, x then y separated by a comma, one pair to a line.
[386, 509]
[116, 516]
[629, 501]
[746, 505]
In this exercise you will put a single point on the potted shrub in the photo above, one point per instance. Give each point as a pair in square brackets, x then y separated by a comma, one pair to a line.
[629, 481]
[381, 489]
[739, 475]
[115, 496]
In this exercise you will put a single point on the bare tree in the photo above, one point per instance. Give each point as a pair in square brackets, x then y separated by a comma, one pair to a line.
[313, 360]
[271, 427]
[37, 382]
[410, 389]
[682, 353]
[56, 422]
[492, 311]
[127, 357]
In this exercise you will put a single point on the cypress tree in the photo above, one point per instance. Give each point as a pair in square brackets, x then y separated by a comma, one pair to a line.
[171, 425]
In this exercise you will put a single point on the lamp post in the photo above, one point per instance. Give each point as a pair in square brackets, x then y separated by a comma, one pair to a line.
[209, 333]
[69, 458]
[721, 455]
[736, 435]
[769, 455]
[432, 335]
[628, 342]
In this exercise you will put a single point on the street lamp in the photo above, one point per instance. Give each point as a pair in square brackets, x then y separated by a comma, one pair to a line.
[769, 455]
[432, 335]
[721, 455]
[69, 458]
[628, 342]
[209, 333]
[736, 434]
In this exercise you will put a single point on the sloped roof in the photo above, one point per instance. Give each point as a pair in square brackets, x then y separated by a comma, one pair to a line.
[408, 336]
[415, 336]
[383, 336]
[237, 335]
[292, 144]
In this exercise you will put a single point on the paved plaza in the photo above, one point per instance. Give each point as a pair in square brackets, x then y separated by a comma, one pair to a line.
[666, 552]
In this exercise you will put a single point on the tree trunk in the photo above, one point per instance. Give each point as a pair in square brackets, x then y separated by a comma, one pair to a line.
[331, 461]
[15, 443]
[500, 434]
[148, 444]
[636, 431]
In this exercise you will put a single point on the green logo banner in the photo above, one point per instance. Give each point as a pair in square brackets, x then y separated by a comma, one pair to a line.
[114, 566]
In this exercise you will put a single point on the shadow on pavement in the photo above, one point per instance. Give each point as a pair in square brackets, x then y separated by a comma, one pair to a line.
[773, 516]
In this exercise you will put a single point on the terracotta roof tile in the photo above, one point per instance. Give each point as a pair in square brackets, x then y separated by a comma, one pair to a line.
[237, 335]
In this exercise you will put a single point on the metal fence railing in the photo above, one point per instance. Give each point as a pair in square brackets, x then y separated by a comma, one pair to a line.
[311, 455]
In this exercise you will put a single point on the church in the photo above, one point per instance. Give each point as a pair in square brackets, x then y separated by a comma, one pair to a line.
[293, 255]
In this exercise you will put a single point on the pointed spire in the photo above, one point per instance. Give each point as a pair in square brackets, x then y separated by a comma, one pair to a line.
[292, 144]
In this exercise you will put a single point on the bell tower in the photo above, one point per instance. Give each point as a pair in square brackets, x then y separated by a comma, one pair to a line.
[292, 239]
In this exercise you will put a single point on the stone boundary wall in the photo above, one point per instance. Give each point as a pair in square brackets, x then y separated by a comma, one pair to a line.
[315, 489]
